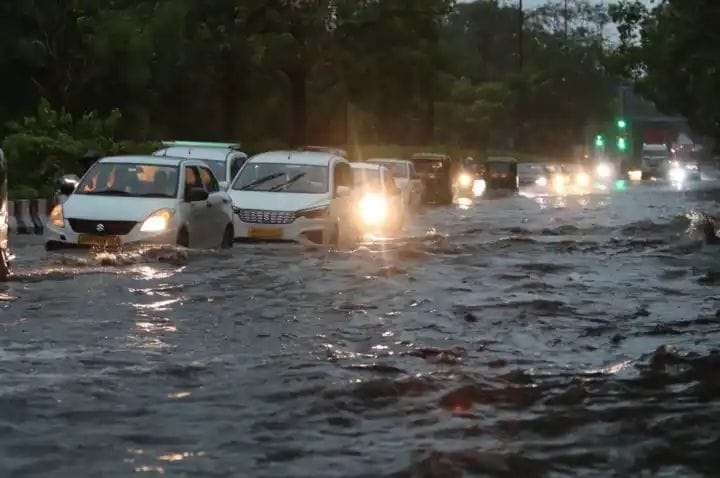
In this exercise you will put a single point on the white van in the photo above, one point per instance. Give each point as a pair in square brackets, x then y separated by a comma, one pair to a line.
[302, 196]
[225, 159]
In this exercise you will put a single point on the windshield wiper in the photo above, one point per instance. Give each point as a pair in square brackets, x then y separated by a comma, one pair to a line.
[288, 183]
[260, 181]
[109, 192]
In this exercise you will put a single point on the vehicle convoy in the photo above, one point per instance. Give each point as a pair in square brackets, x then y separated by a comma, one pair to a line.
[436, 172]
[225, 159]
[140, 200]
[4, 255]
[406, 179]
[302, 196]
[655, 161]
[378, 199]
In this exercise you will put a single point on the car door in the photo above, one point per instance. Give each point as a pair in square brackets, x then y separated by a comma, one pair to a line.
[217, 205]
[341, 205]
[198, 221]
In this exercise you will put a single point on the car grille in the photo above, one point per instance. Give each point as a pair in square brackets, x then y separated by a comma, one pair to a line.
[255, 216]
[110, 228]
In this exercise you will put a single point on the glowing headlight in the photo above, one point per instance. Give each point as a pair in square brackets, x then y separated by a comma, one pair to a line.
[604, 171]
[691, 167]
[465, 180]
[541, 181]
[559, 182]
[583, 180]
[677, 174]
[158, 221]
[373, 209]
[56, 216]
[479, 187]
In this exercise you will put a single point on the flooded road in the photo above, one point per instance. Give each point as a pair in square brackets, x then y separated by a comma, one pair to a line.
[525, 336]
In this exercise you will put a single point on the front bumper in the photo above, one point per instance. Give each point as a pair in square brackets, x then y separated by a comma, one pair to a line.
[301, 230]
[65, 236]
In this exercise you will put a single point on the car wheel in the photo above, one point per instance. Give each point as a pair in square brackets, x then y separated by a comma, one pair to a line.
[228, 237]
[183, 239]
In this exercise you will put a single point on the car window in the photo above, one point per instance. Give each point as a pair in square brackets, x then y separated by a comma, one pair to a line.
[208, 180]
[236, 165]
[282, 178]
[343, 175]
[192, 180]
[218, 169]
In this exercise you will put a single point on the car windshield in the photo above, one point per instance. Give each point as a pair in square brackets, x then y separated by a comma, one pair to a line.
[500, 167]
[287, 178]
[130, 179]
[367, 179]
[218, 169]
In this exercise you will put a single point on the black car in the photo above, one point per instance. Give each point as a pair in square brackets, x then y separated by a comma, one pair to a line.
[501, 174]
[436, 173]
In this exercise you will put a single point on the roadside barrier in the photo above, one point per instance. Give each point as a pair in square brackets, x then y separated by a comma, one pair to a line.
[28, 216]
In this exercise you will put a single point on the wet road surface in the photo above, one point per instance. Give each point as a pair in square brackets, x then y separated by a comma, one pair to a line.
[524, 336]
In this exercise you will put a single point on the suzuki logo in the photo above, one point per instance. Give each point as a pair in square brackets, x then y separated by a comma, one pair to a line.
[100, 228]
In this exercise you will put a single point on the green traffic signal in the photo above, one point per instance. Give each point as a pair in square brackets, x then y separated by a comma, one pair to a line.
[599, 141]
[622, 124]
[622, 144]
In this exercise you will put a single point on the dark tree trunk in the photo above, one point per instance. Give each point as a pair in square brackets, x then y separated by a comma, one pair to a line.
[298, 100]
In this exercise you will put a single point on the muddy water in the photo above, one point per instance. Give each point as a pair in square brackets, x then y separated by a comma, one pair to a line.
[522, 336]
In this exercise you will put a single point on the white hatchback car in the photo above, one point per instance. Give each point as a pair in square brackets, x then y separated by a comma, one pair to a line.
[225, 159]
[144, 199]
[406, 178]
[302, 196]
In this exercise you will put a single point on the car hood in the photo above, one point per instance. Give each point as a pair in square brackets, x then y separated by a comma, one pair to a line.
[114, 208]
[267, 201]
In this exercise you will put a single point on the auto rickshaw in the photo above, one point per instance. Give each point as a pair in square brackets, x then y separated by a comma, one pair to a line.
[4, 266]
[500, 174]
[436, 173]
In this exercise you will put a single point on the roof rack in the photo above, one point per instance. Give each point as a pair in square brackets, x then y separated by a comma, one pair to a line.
[325, 149]
[200, 144]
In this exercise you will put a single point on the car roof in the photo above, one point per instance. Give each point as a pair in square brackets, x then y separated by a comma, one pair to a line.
[430, 156]
[192, 152]
[150, 160]
[308, 158]
[370, 166]
[388, 160]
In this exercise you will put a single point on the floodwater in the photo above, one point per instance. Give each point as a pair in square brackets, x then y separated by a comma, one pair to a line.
[521, 336]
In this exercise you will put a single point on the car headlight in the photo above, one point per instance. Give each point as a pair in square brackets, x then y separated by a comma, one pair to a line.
[559, 182]
[157, 221]
[541, 181]
[314, 213]
[691, 167]
[373, 209]
[465, 180]
[677, 174]
[582, 179]
[56, 216]
[604, 170]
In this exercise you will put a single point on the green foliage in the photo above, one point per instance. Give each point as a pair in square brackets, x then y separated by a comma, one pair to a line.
[40, 148]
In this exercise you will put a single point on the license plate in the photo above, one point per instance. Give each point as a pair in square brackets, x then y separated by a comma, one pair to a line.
[99, 241]
[266, 233]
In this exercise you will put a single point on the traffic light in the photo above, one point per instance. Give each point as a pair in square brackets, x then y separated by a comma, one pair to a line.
[622, 124]
[622, 144]
[599, 141]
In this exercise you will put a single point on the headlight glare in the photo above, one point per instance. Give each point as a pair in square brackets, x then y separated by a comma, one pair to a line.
[465, 180]
[157, 221]
[603, 170]
[373, 209]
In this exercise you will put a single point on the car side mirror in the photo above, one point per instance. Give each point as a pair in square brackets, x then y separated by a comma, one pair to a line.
[68, 183]
[343, 192]
[197, 195]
